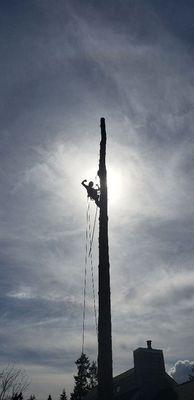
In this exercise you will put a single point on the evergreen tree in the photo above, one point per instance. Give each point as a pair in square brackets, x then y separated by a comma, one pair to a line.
[63, 395]
[81, 379]
[93, 376]
[49, 397]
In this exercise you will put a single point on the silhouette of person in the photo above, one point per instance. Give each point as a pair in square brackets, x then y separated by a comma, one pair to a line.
[93, 193]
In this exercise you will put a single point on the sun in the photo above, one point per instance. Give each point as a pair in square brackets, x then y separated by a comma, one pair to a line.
[114, 185]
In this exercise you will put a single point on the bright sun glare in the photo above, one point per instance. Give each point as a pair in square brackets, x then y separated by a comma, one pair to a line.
[114, 183]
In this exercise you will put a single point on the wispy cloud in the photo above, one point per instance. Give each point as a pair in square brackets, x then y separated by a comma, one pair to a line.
[133, 64]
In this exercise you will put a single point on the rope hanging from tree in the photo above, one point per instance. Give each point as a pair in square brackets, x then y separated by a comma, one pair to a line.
[89, 237]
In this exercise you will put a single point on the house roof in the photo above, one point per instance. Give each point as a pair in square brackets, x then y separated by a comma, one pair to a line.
[125, 386]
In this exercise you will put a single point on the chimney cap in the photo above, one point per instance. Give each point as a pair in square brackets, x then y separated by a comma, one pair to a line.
[149, 344]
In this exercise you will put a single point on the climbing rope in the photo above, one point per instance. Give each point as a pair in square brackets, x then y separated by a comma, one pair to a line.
[89, 237]
[85, 277]
[93, 230]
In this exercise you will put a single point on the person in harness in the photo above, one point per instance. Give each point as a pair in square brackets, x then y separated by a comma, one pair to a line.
[93, 193]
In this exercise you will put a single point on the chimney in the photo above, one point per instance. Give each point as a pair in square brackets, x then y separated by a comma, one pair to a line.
[149, 370]
[149, 344]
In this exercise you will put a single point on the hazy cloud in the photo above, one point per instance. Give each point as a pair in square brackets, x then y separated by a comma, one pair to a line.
[63, 66]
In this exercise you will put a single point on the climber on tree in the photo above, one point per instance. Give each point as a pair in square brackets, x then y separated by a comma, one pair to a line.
[93, 193]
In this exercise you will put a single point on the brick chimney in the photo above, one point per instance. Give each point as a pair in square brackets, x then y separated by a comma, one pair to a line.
[149, 370]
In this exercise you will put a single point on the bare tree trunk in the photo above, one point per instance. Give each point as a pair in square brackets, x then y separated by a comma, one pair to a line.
[105, 374]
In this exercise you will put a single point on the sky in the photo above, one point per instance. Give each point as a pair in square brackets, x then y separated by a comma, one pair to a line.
[64, 65]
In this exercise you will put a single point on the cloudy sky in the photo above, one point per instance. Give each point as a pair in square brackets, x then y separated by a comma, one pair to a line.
[64, 64]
